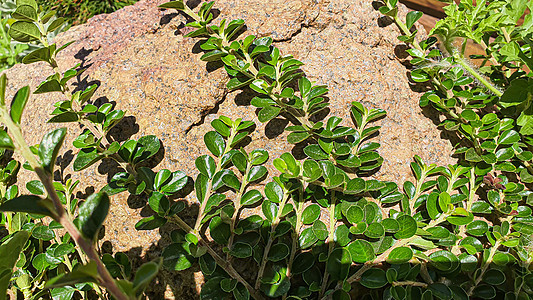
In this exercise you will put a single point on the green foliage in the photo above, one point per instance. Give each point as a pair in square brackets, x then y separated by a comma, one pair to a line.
[320, 227]
[79, 11]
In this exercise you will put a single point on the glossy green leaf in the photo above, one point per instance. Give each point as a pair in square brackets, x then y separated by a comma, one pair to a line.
[311, 214]
[444, 260]
[256, 173]
[49, 148]
[441, 291]
[220, 231]
[268, 113]
[19, 103]
[29, 204]
[86, 158]
[361, 251]
[408, 227]
[400, 255]
[215, 143]
[206, 165]
[5, 141]
[92, 214]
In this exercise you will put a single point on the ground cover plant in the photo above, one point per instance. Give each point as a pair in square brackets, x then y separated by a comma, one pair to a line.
[79, 11]
[326, 229]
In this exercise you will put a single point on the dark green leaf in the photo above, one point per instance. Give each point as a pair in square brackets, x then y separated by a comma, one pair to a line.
[338, 264]
[215, 143]
[92, 214]
[49, 148]
[176, 258]
[19, 103]
[29, 204]
[85, 158]
[374, 278]
[144, 275]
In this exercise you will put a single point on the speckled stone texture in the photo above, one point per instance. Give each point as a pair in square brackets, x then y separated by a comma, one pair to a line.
[142, 62]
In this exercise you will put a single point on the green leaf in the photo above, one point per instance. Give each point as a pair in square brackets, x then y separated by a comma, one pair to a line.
[268, 113]
[412, 17]
[516, 93]
[477, 228]
[215, 143]
[220, 231]
[441, 291]
[65, 117]
[258, 157]
[92, 214]
[408, 227]
[5, 141]
[251, 197]
[55, 24]
[508, 137]
[48, 86]
[25, 13]
[303, 262]
[374, 278]
[31, 3]
[241, 250]
[24, 31]
[494, 277]
[444, 260]
[176, 258]
[400, 255]
[311, 214]
[361, 251]
[274, 192]
[19, 103]
[278, 252]
[3, 83]
[355, 186]
[80, 274]
[256, 173]
[43, 232]
[29, 204]
[173, 4]
[307, 238]
[338, 264]
[10, 251]
[144, 275]
[297, 137]
[206, 165]
[375, 230]
[85, 158]
[49, 148]
[159, 203]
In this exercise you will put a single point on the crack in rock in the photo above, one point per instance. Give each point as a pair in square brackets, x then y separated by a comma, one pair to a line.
[207, 111]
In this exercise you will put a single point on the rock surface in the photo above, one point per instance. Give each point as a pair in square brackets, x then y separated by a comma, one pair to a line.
[143, 63]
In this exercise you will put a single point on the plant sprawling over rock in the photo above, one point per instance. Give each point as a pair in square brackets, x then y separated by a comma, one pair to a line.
[322, 227]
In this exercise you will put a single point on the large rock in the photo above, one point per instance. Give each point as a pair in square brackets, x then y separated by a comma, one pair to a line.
[143, 63]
